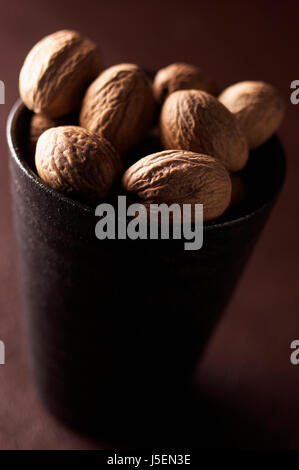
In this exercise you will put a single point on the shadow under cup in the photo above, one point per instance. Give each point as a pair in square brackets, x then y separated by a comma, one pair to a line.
[115, 327]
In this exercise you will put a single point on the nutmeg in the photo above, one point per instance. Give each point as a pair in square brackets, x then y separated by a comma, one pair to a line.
[73, 160]
[181, 76]
[182, 177]
[258, 108]
[39, 124]
[196, 121]
[57, 71]
[120, 105]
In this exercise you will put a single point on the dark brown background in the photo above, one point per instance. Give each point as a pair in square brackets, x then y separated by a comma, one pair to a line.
[246, 373]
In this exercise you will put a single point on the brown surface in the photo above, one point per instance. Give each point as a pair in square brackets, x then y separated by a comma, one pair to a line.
[246, 372]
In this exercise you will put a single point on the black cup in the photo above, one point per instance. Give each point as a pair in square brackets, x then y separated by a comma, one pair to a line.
[115, 327]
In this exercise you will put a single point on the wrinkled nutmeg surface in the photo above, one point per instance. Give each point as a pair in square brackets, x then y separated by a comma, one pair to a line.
[120, 105]
[258, 107]
[182, 177]
[39, 124]
[181, 76]
[70, 159]
[57, 71]
[194, 120]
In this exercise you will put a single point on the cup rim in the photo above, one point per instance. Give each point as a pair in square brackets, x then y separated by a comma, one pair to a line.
[16, 154]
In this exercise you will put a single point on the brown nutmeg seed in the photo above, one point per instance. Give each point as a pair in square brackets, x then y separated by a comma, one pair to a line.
[181, 177]
[120, 105]
[57, 71]
[181, 76]
[196, 121]
[75, 161]
[39, 124]
[258, 108]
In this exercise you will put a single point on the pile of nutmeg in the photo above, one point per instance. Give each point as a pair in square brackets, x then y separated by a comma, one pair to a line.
[88, 119]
